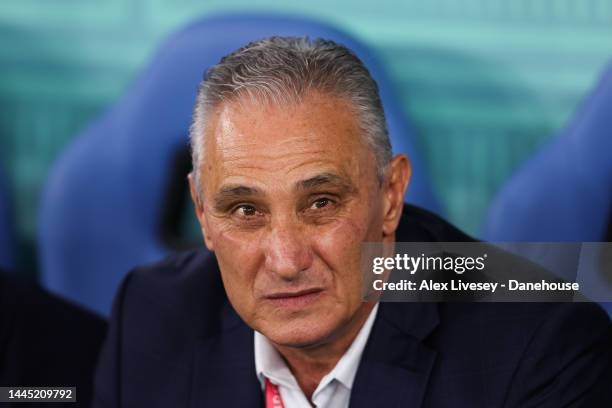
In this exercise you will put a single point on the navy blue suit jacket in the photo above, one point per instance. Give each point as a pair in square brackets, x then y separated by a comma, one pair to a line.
[175, 341]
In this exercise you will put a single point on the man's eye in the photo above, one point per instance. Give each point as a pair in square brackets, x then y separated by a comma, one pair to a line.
[321, 203]
[245, 210]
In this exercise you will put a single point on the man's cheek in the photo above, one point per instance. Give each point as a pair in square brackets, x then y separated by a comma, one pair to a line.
[238, 256]
[340, 244]
[229, 240]
[344, 233]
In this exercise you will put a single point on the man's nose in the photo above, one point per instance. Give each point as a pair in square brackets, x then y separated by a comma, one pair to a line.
[286, 250]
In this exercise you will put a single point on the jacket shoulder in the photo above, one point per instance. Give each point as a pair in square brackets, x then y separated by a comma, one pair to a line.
[181, 296]
[420, 225]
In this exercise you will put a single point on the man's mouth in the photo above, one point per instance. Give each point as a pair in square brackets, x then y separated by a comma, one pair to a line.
[297, 299]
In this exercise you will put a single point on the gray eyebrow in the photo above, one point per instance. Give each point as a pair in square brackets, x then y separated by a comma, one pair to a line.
[241, 191]
[326, 179]
[229, 193]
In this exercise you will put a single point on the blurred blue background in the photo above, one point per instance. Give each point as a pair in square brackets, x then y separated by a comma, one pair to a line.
[483, 83]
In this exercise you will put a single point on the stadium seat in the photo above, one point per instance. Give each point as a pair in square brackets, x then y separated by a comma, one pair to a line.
[102, 204]
[564, 193]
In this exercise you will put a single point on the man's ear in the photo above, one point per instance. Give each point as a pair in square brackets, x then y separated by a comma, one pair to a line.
[395, 184]
[199, 212]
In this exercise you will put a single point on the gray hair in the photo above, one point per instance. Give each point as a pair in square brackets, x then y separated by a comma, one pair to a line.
[283, 70]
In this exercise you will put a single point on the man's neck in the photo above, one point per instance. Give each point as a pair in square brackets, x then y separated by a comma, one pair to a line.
[310, 364]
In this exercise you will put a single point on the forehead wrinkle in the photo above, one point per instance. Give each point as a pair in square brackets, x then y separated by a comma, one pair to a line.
[286, 146]
[269, 161]
[268, 153]
[232, 138]
[309, 162]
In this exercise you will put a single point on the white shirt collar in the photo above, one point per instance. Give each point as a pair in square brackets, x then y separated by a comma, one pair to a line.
[269, 364]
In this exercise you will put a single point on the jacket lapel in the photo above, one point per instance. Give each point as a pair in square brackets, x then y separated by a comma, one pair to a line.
[225, 368]
[396, 364]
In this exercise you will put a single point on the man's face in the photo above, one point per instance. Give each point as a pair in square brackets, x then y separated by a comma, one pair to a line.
[289, 194]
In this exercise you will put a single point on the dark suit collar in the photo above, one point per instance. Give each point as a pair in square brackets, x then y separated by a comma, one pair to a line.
[225, 367]
[417, 320]
[396, 363]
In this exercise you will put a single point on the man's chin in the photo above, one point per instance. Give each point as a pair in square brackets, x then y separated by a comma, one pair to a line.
[297, 334]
